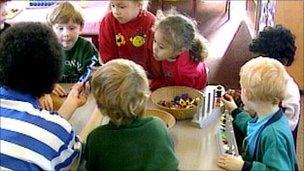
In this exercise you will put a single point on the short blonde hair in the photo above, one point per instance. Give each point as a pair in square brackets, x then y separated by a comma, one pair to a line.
[63, 12]
[266, 79]
[121, 90]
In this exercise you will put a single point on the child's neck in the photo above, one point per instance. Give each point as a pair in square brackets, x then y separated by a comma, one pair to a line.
[265, 108]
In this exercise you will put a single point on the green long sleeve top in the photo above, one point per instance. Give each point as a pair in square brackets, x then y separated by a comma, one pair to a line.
[144, 144]
[275, 148]
[77, 59]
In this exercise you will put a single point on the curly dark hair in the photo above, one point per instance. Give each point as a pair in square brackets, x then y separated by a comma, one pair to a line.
[30, 58]
[275, 42]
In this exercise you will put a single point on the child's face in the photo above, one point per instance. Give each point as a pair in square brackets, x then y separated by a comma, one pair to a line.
[67, 34]
[125, 11]
[161, 49]
[2, 12]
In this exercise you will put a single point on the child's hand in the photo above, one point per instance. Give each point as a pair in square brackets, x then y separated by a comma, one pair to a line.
[230, 162]
[78, 94]
[46, 102]
[77, 97]
[236, 94]
[229, 102]
[59, 91]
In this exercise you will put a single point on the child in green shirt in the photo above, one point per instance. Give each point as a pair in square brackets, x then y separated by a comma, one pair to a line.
[129, 141]
[67, 22]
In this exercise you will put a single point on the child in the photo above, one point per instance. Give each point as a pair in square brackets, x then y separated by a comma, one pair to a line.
[269, 143]
[181, 49]
[3, 24]
[67, 22]
[125, 32]
[279, 43]
[31, 138]
[129, 141]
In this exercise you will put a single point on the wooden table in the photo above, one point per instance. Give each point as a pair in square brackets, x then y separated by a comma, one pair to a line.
[196, 148]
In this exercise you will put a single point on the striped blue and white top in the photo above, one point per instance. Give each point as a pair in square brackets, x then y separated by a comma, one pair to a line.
[32, 138]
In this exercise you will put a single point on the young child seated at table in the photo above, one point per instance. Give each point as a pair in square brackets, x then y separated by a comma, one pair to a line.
[279, 43]
[3, 24]
[129, 141]
[181, 49]
[125, 32]
[269, 143]
[67, 22]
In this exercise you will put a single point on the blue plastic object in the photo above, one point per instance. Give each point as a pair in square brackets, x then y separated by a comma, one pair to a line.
[88, 74]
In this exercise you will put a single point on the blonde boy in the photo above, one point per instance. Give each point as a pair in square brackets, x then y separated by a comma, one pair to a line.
[129, 141]
[269, 142]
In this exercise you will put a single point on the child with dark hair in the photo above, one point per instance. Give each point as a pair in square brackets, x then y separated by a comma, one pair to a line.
[181, 49]
[3, 24]
[32, 138]
[275, 42]
[129, 141]
[279, 43]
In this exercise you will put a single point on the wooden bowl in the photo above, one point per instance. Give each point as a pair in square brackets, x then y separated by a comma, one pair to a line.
[168, 119]
[168, 94]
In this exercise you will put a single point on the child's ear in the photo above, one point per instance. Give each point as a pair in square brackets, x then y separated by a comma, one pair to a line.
[248, 93]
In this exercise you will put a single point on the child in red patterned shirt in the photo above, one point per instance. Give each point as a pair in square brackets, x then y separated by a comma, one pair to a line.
[125, 32]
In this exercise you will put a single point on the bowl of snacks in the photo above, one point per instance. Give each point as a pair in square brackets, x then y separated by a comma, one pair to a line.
[182, 102]
[166, 117]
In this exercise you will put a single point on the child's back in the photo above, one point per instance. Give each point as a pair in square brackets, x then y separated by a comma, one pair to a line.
[144, 144]
[274, 147]
[130, 141]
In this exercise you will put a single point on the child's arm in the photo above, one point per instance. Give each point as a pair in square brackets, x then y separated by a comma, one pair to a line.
[291, 104]
[76, 98]
[93, 123]
[107, 44]
[241, 118]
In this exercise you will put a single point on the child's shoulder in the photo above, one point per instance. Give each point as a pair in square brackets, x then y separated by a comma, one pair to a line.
[277, 130]
[149, 14]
